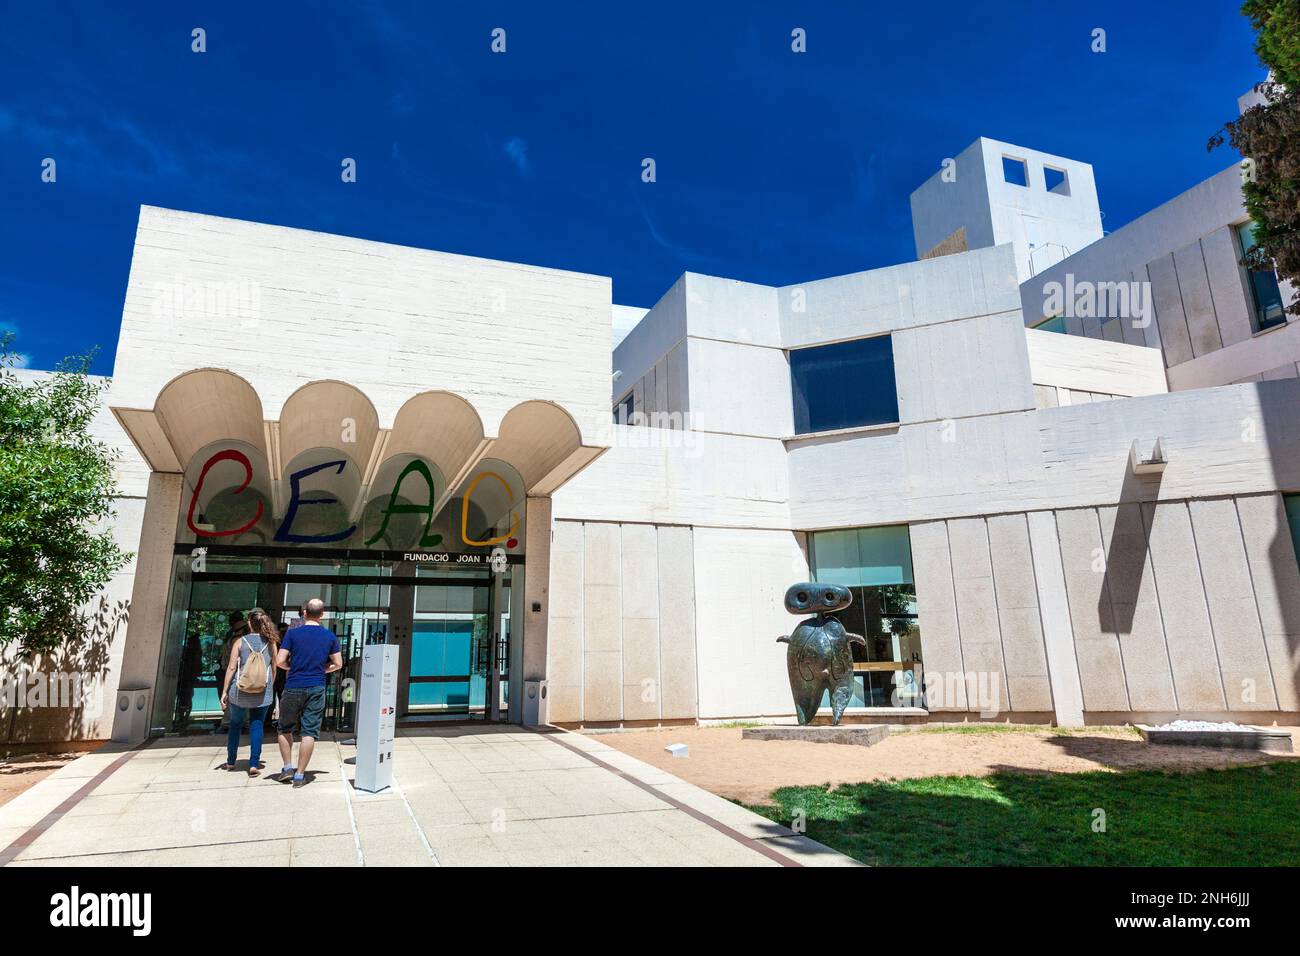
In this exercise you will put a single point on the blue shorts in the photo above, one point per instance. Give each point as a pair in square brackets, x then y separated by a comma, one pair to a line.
[301, 709]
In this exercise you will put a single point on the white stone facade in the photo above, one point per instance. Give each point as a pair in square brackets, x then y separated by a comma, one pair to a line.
[657, 557]
[1187, 253]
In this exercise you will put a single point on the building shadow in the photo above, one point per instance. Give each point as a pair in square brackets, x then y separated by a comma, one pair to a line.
[1127, 553]
[73, 678]
[1133, 753]
[1280, 404]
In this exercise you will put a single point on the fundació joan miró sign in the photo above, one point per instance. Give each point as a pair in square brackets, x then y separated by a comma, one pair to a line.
[297, 499]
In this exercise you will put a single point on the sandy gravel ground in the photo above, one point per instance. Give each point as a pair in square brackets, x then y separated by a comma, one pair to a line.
[749, 770]
[19, 773]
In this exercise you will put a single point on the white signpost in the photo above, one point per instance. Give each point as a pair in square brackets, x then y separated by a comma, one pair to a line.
[377, 717]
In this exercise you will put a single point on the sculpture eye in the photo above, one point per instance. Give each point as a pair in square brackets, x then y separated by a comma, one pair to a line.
[801, 597]
[830, 597]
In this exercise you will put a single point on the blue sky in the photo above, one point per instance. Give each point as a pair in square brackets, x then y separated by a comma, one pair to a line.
[772, 167]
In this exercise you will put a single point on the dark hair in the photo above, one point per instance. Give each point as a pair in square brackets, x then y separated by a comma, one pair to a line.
[261, 622]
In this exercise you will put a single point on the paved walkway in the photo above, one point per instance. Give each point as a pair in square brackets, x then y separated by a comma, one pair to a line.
[493, 795]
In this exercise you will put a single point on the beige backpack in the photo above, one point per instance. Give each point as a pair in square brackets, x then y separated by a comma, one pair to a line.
[252, 676]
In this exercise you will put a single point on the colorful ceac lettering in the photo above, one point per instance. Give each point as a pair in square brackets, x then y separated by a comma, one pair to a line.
[295, 501]
[426, 541]
[229, 454]
[285, 533]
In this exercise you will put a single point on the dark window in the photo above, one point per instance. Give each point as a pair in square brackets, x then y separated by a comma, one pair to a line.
[844, 385]
[1015, 171]
[1054, 324]
[623, 410]
[1265, 293]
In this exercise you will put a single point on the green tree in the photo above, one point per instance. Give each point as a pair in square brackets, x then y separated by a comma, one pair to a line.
[56, 493]
[1268, 136]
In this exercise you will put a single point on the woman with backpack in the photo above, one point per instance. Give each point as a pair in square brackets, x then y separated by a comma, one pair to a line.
[250, 687]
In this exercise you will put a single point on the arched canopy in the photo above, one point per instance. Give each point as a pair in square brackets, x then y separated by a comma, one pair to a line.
[209, 405]
[536, 438]
[329, 414]
[439, 427]
[227, 494]
[489, 506]
[200, 412]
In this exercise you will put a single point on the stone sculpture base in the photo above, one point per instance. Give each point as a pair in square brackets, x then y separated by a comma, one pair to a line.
[863, 735]
[1274, 740]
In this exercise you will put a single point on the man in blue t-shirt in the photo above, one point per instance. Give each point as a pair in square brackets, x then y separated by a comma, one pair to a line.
[308, 652]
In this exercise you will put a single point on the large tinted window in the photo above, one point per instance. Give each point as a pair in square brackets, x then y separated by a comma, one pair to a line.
[876, 565]
[1264, 290]
[844, 385]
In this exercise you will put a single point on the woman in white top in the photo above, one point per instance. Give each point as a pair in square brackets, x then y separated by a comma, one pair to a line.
[263, 639]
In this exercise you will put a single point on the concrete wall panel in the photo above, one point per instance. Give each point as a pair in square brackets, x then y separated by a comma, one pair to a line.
[1275, 576]
[1058, 632]
[977, 611]
[677, 600]
[937, 611]
[1192, 655]
[622, 623]
[564, 654]
[1234, 613]
[740, 389]
[1101, 663]
[1198, 303]
[740, 583]
[979, 366]
[1109, 368]
[640, 668]
[1223, 269]
[640, 621]
[1169, 310]
[1137, 621]
[1018, 613]
[602, 633]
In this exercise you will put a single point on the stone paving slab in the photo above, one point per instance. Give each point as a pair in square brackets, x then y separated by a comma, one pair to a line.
[463, 796]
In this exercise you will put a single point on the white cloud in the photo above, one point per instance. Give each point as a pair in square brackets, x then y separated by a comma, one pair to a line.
[517, 150]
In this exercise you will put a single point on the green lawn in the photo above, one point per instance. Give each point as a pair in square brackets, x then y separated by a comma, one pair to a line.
[1244, 816]
[986, 729]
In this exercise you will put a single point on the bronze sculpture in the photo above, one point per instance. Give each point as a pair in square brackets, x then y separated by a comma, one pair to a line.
[819, 658]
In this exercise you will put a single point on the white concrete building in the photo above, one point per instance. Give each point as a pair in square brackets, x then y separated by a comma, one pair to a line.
[995, 193]
[432, 443]
[1215, 322]
[1172, 280]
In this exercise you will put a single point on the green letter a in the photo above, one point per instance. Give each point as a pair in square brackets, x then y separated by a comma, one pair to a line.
[425, 509]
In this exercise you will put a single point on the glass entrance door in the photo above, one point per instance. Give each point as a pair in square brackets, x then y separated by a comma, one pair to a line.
[357, 598]
[197, 662]
[452, 646]
[451, 625]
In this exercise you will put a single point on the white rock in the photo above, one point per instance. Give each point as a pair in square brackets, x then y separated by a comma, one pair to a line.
[1199, 725]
